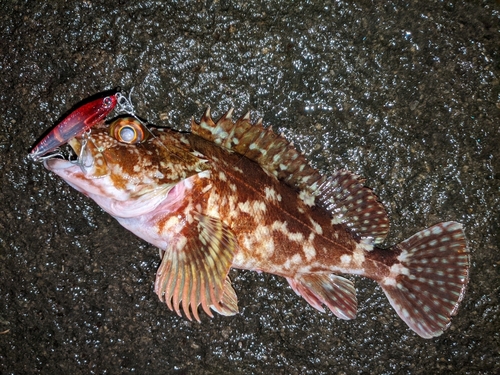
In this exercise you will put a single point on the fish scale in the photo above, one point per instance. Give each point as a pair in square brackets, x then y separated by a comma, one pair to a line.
[232, 194]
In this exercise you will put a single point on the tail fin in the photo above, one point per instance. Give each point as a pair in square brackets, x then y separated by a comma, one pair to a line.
[427, 285]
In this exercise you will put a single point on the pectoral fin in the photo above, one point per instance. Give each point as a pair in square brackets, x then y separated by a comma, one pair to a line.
[194, 269]
[229, 303]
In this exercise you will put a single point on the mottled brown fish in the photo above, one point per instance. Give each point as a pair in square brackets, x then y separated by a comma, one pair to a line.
[233, 194]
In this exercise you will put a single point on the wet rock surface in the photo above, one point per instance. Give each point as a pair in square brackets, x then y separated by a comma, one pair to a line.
[407, 96]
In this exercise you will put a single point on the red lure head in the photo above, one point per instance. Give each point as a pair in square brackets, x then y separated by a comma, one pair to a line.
[75, 124]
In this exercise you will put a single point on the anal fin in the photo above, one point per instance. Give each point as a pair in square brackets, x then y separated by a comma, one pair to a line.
[336, 292]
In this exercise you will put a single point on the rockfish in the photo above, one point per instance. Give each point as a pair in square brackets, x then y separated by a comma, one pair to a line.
[235, 194]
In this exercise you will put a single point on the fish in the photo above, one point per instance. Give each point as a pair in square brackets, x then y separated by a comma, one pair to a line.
[231, 193]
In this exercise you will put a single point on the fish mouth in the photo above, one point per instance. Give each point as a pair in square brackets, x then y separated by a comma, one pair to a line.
[81, 171]
[78, 156]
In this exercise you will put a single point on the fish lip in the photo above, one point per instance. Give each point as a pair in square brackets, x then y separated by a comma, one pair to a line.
[56, 163]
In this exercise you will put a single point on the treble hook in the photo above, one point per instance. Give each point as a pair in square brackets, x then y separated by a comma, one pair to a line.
[80, 160]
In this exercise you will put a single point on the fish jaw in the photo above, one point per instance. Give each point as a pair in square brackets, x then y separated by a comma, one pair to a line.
[114, 200]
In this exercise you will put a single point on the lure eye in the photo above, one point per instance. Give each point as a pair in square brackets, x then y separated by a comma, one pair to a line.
[128, 130]
[107, 102]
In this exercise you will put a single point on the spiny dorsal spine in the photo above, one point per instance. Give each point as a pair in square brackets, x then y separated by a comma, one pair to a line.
[271, 151]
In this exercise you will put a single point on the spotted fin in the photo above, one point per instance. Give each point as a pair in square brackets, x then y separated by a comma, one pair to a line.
[336, 292]
[350, 202]
[194, 269]
[271, 151]
[427, 285]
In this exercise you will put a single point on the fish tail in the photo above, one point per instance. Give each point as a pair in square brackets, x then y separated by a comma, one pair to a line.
[428, 280]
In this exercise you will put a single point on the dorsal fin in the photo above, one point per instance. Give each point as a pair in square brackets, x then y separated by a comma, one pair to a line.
[273, 152]
[351, 203]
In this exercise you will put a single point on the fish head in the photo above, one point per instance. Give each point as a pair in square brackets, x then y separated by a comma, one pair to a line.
[126, 167]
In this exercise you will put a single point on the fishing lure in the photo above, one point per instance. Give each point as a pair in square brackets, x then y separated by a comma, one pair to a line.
[76, 123]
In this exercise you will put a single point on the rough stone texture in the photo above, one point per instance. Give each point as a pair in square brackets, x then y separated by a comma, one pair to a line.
[405, 94]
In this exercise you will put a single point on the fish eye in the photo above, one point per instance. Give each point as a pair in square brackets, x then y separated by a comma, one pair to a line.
[128, 130]
[128, 134]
